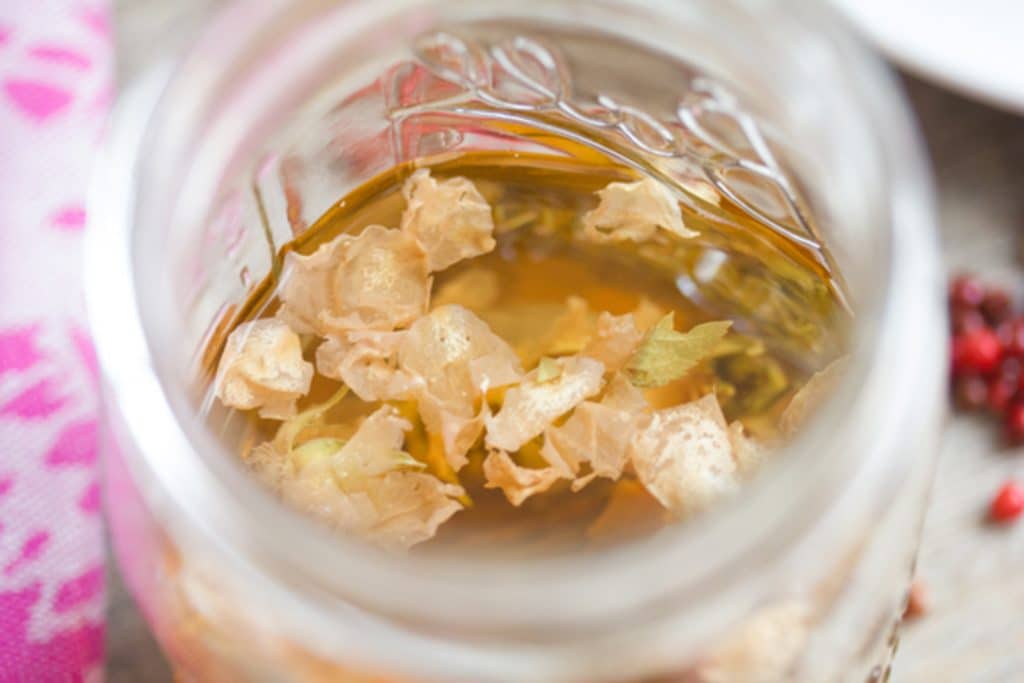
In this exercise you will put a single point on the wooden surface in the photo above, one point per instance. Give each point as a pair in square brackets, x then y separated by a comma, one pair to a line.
[974, 631]
[974, 573]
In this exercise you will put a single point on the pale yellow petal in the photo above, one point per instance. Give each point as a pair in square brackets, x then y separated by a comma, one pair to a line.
[615, 340]
[449, 219]
[366, 486]
[314, 491]
[382, 284]
[372, 449]
[621, 394]
[305, 290]
[367, 362]
[410, 507]
[532, 406]
[454, 357]
[517, 483]
[599, 433]
[270, 466]
[684, 456]
[377, 280]
[262, 367]
[634, 211]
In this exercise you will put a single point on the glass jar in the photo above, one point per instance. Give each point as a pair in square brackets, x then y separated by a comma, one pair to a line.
[240, 141]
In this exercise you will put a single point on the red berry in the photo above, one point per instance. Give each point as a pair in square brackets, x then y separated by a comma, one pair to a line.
[1010, 368]
[1008, 503]
[1000, 392]
[977, 351]
[966, 291]
[1011, 334]
[966, 319]
[917, 601]
[996, 306]
[970, 392]
[1014, 423]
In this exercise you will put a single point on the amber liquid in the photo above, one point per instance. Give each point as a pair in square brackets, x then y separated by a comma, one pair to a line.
[780, 296]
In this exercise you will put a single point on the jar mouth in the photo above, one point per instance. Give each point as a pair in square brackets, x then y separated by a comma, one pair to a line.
[545, 599]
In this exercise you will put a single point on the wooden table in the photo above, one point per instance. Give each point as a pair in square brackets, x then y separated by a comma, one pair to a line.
[974, 631]
[974, 573]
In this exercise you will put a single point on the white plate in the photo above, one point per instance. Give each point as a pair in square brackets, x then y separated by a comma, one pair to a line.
[974, 46]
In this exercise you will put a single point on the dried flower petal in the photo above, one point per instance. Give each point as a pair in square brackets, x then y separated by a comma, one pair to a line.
[597, 432]
[375, 448]
[810, 396]
[684, 456]
[634, 211]
[623, 395]
[366, 485]
[546, 329]
[314, 491]
[666, 355]
[270, 465]
[450, 219]
[747, 452]
[548, 369]
[532, 406]
[262, 367]
[572, 330]
[410, 507]
[378, 280]
[306, 290]
[455, 357]
[615, 341]
[366, 361]
[517, 483]
[762, 649]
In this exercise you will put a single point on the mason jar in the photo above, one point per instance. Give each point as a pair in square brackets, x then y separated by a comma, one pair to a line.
[225, 149]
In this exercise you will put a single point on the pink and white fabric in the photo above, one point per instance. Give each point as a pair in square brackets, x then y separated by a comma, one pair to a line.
[56, 82]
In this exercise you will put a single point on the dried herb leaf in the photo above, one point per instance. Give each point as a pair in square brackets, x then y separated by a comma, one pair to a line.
[665, 355]
[548, 369]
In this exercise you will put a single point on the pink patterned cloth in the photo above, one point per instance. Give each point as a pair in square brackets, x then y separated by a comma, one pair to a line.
[55, 88]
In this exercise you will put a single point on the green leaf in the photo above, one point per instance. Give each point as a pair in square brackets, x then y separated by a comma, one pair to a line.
[284, 440]
[666, 355]
[548, 369]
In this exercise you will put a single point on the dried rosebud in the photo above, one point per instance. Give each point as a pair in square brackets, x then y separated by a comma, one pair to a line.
[517, 483]
[634, 211]
[262, 367]
[454, 357]
[532, 406]
[375, 281]
[449, 219]
[684, 456]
